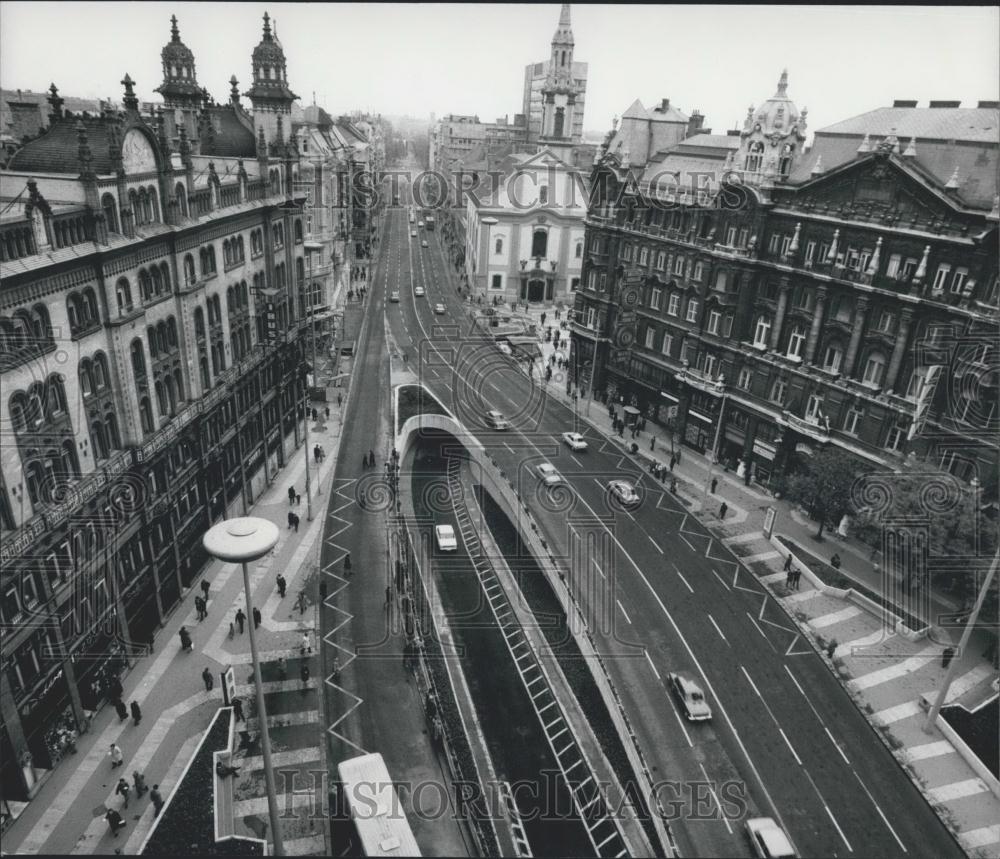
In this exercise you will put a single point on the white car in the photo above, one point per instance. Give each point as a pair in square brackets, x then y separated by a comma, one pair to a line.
[418, 291]
[413, 234]
[439, 308]
[423, 244]
[548, 473]
[420, 223]
[624, 492]
[394, 296]
[497, 420]
[768, 839]
[574, 440]
[445, 535]
[690, 697]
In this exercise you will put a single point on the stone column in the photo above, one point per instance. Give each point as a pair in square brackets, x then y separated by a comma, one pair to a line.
[902, 341]
[860, 314]
[779, 317]
[813, 340]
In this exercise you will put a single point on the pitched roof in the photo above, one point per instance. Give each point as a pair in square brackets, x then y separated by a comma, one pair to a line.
[56, 150]
[978, 124]
[709, 142]
[636, 111]
[233, 136]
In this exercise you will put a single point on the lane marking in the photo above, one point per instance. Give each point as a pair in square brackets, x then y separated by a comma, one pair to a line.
[576, 460]
[680, 721]
[721, 580]
[658, 549]
[788, 743]
[816, 713]
[881, 813]
[711, 790]
[649, 659]
[622, 608]
[721, 635]
[683, 579]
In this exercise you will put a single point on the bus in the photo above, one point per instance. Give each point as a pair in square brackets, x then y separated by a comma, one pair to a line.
[380, 824]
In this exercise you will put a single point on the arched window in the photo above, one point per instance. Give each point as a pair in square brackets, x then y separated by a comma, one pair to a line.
[145, 285]
[161, 337]
[133, 202]
[90, 306]
[189, 273]
[240, 252]
[18, 408]
[579, 249]
[152, 205]
[67, 457]
[154, 344]
[211, 258]
[172, 333]
[226, 253]
[86, 382]
[100, 372]
[755, 157]
[76, 321]
[179, 385]
[110, 209]
[785, 163]
[146, 415]
[123, 293]
[199, 324]
[138, 360]
[111, 428]
[539, 243]
[498, 246]
[56, 397]
[543, 191]
[300, 270]
[796, 340]
[206, 380]
[181, 194]
[171, 394]
[165, 278]
[98, 440]
[161, 398]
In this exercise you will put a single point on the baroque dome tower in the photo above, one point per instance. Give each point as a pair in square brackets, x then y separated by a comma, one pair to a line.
[182, 96]
[270, 94]
[772, 138]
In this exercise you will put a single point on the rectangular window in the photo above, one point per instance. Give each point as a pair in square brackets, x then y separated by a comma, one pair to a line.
[778, 391]
[692, 312]
[661, 259]
[886, 322]
[644, 256]
[714, 318]
[824, 252]
[592, 280]
[654, 298]
[731, 237]
[941, 276]
[774, 243]
[786, 244]
[673, 304]
[814, 407]
[796, 340]
[745, 379]
[679, 266]
[958, 280]
[810, 252]
[762, 332]
[699, 271]
[497, 281]
[574, 284]
[591, 317]
[853, 258]
[894, 440]
[727, 326]
[650, 337]
[602, 284]
[892, 267]
[866, 257]
[708, 364]
[832, 359]
[909, 267]
[668, 344]
[744, 237]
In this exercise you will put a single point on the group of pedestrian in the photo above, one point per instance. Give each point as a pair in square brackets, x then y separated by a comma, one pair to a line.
[293, 521]
[792, 578]
[124, 790]
[368, 461]
[318, 453]
[293, 496]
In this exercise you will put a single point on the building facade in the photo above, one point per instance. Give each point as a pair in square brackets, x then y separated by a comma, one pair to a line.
[761, 302]
[153, 377]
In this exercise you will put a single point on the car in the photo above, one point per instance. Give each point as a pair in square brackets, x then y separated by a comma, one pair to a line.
[418, 291]
[420, 223]
[445, 535]
[624, 492]
[394, 295]
[439, 308]
[497, 420]
[549, 475]
[691, 698]
[574, 440]
[413, 234]
[423, 244]
[768, 839]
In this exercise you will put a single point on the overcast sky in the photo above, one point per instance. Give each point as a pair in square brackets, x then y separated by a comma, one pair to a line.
[470, 58]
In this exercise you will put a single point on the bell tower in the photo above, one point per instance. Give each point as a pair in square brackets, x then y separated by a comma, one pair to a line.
[270, 94]
[182, 97]
[562, 97]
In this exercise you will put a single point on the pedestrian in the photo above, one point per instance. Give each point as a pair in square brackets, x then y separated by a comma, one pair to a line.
[136, 712]
[140, 783]
[282, 668]
[295, 522]
[340, 399]
[306, 646]
[673, 461]
[347, 564]
[388, 594]
[788, 562]
[256, 613]
[238, 710]
[123, 790]
[798, 578]
[316, 453]
[315, 415]
[199, 605]
[291, 494]
[673, 485]
[652, 442]
[115, 821]
[723, 507]
[304, 675]
[663, 474]
[543, 318]
[240, 619]
[336, 669]
[291, 519]
[327, 410]
[300, 602]
[156, 798]
[322, 454]
[116, 688]
[835, 561]
[121, 709]
[298, 499]
[715, 482]
[282, 584]
[185, 637]
[206, 675]
[205, 588]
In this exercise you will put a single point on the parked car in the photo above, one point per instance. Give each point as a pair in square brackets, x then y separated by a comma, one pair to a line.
[394, 296]
[439, 308]
[768, 839]
[445, 535]
[624, 492]
[420, 223]
[574, 440]
[418, 291]
[690, 697]
[497, 420]
[548, 473]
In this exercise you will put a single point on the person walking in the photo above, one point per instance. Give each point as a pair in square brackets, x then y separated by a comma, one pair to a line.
[652, 442]
[291, 520]
[295, 522]
[117, 758]
[306, 646]
[185, 638]
[205, 587]
[157, 799]
[199, 605]
[327, 413]
[722, 510]
[238, 710]
[282, 668]
[115, 821]
[240, 619]
[136, 713]
[298, 499]
[256, 616]
[206, 675]
[304, 675]
[715, 482]
[673, 461]
[282, 584]
[788, 562]
[340, 399]
[123, 791]
[140, 783]
[798, 577]
[291, 494]
[121, 709]
[316, 453]
[347, 565]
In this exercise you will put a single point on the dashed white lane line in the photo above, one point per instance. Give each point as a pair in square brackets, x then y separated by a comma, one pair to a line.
[718, 804]
[649, 659]
[658, 549]
[580, 464]
[681, 576]
[721, 634]
[881, 813]
[621, 608]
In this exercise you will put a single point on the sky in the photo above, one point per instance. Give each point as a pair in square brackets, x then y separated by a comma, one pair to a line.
[469, 58]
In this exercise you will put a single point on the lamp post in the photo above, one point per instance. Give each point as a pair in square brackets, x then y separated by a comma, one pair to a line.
[489, 220]
[311, 247]
[242, 540]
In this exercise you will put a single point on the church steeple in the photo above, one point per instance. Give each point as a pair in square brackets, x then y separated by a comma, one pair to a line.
[270, 93]
[561, 59]
[562, 93]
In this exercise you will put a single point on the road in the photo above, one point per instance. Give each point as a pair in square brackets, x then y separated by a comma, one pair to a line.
[663, 594]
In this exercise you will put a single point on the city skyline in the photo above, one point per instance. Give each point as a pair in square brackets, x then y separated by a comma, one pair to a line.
[501, 39]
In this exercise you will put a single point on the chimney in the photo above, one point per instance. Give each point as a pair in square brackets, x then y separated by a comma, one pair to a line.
[664, 104]
[992, 105]
[934, 104]
[903, 102]
[695, 123]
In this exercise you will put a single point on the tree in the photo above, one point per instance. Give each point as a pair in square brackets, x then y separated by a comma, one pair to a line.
[824, 486]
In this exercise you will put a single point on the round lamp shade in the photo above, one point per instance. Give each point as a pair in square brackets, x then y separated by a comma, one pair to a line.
[244, 539]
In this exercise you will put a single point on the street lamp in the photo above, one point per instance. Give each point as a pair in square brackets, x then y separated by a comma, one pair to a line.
[241, 540]
[311, 247]
[489, 220]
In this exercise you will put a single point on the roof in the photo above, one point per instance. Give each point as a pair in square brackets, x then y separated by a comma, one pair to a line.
[56, 150]
[315, 115]
[978, 124]
[233, 138]
[636, 111]
[710, 141]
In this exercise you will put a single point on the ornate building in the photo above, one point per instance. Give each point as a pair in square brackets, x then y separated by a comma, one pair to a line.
[762, 301]
[152, 373]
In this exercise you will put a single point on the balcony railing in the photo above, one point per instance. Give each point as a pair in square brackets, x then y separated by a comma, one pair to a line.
[812, 427]
[702, 381]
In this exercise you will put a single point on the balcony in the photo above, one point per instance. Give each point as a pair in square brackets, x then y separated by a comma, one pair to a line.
[812, 427]
[586, 330]
[701, 381]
